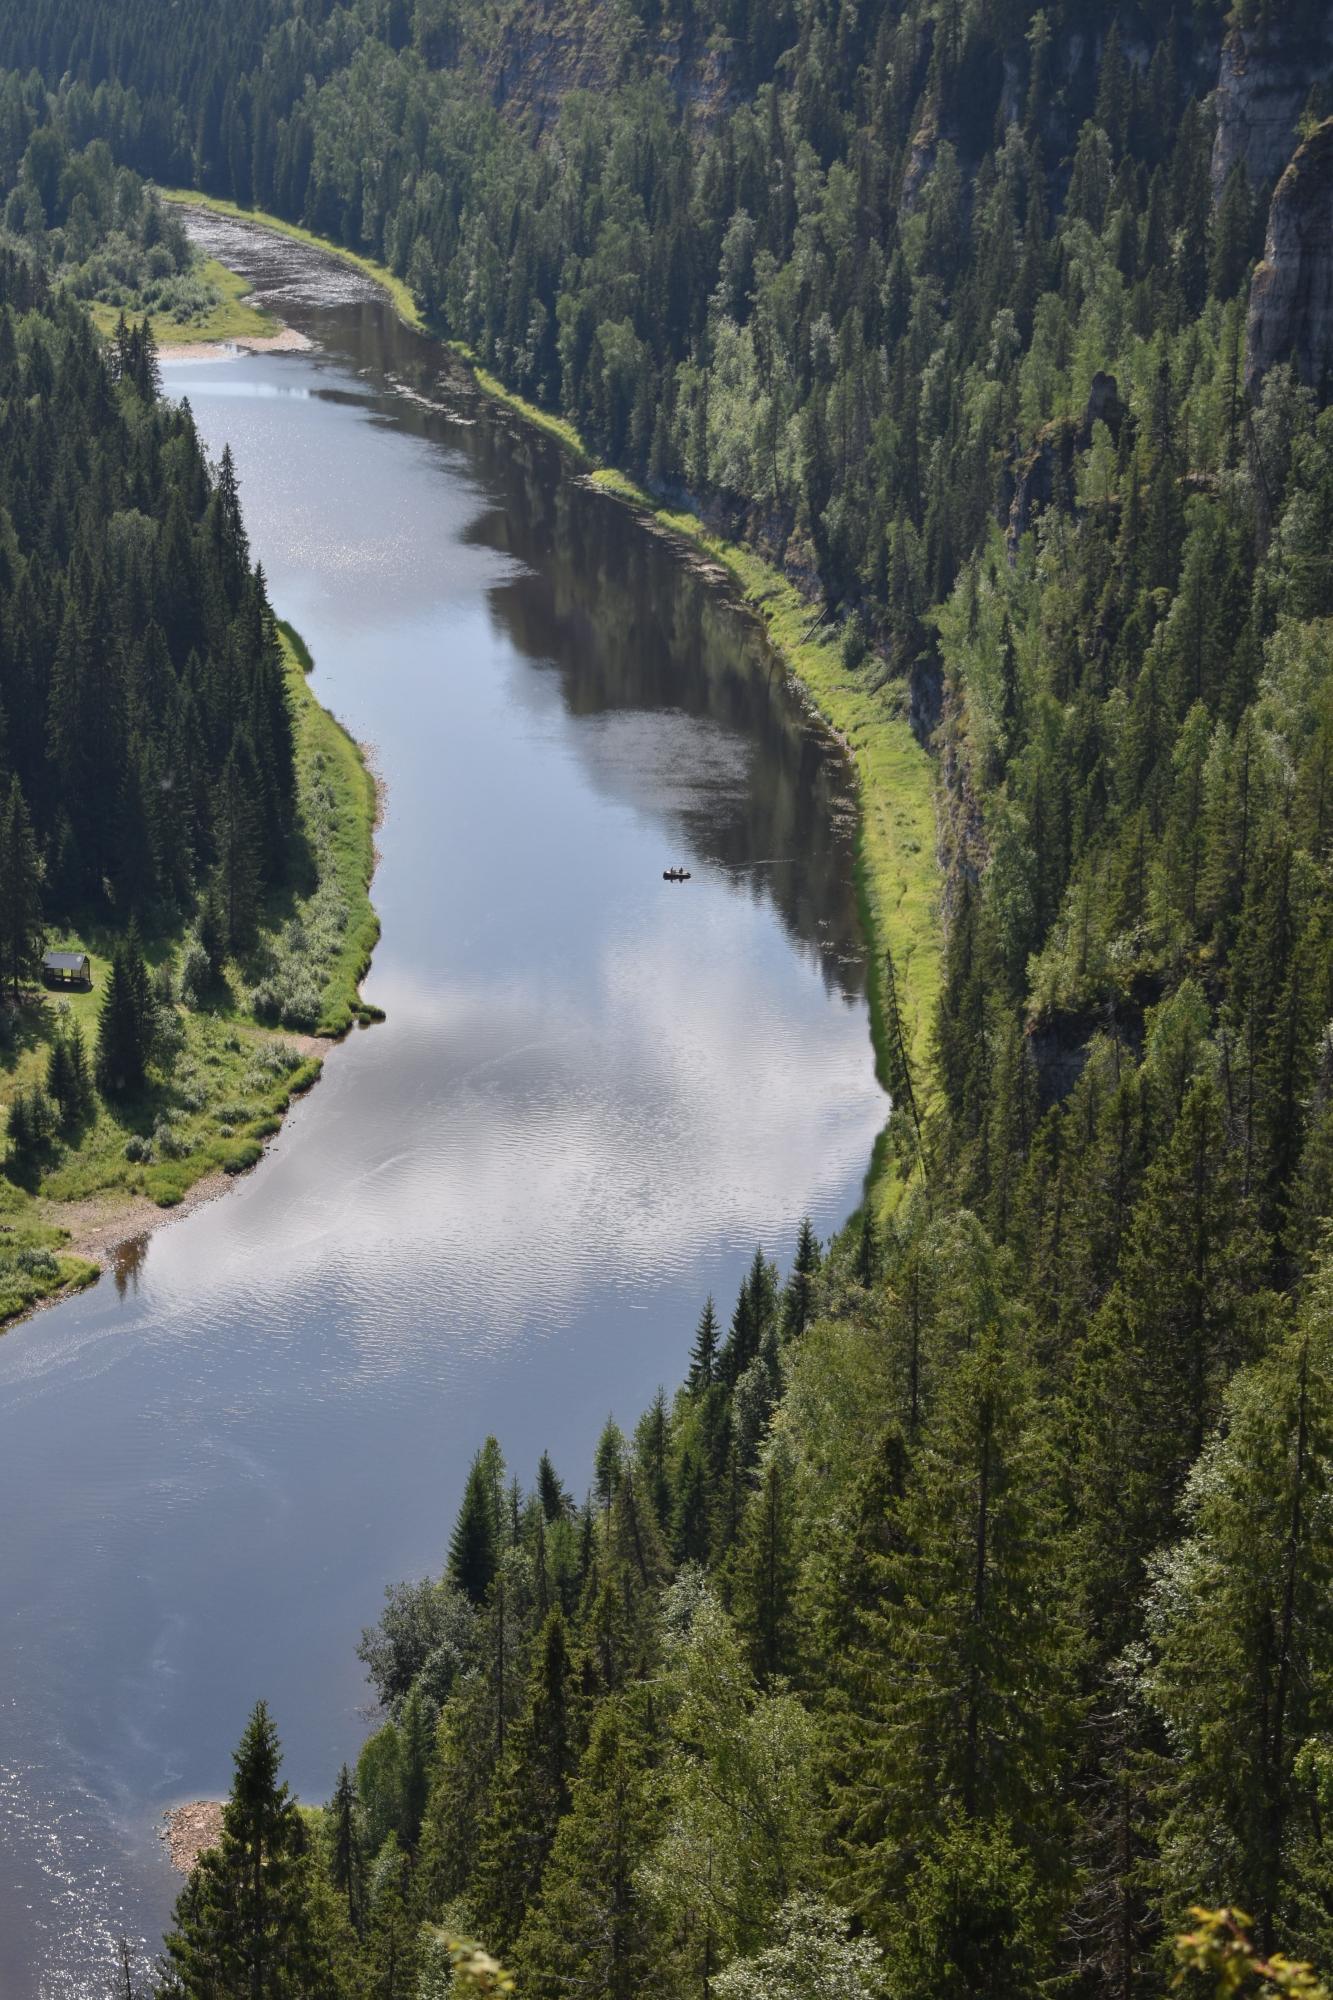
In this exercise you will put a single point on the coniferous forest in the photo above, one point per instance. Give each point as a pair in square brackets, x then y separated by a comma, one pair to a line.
[135, 638]
[146, 742]
[965, 1620]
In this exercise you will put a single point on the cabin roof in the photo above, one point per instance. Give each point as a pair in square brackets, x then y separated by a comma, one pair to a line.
[64, 961]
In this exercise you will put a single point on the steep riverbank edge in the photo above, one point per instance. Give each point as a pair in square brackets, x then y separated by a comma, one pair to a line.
[54, 1244]
[897, 869]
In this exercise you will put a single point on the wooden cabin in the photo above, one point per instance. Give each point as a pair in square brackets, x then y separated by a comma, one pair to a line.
[67, 968]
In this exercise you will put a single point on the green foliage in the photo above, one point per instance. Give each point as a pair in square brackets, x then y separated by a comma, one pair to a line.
[126, 1021]
[246, 1921]
[154, 735]
[974, 1920]
[740, 1839]
[426, 1632]
[531, 1792]
[31, 1123]
[1239, 1625]
[474, 1548]
[596, 1930]
[1217, 1957]
[22, 936]
[812, 1957]
[976, 1578]
[69, 1082]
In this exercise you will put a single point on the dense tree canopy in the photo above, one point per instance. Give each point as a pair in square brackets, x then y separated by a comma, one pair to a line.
[962, 1619]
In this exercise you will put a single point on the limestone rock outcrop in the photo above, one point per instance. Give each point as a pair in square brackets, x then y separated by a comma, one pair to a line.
[1291, 294]
[1263, 82]
[1032, 478]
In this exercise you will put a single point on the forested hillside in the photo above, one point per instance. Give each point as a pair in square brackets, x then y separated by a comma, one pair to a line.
[146, 722]
[965, 1618]
[99, 231]
[165, 801]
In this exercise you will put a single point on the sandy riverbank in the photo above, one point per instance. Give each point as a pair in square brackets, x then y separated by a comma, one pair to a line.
[287, 341]
[189, 1829]
[112, 1230]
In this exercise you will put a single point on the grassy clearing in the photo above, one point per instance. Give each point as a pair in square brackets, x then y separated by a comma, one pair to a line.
[234, 1076]
[229, 318]
[403, 302]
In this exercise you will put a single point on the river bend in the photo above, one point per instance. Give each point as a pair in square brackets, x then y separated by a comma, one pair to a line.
[500, 1210]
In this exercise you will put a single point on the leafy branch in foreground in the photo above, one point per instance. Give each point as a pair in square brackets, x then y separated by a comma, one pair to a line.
[1220, 1951]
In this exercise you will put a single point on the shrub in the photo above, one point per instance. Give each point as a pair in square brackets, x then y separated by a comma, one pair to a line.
[138, 1150]
[196, 974]
[272, 1060]
[37, 1264]
[855, 644]
[168, 1143]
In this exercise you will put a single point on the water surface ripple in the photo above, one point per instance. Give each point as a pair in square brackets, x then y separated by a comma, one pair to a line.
[500, 1211]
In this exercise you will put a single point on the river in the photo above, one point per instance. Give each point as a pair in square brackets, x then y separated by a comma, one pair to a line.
[501, 1210]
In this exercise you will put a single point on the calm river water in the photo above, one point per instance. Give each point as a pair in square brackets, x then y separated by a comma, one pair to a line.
[501, 1210]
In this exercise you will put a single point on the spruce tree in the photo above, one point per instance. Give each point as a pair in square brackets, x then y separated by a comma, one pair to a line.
[867, 1249]
[68, 1080]
[550, 1490]
[393, 1942]
[238, 876]
[347, 1865]
[1241, 1626]
[901, 1072]
[691, 1528]
[797, 1298]
[531, 1793]
[416, 1737]
[22, 938]
[765, 1571]
[608, 1462]
[652, 1438]
[243, 1926]
[126, 1021]
[703, 1355]
[755, 1310]
[970, 1651]
[1187, 1310]
[595, 1930]
[474, 1546]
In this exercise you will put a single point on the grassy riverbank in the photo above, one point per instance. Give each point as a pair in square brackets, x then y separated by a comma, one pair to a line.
[236, 1071]
[897, 869]
[228, 318]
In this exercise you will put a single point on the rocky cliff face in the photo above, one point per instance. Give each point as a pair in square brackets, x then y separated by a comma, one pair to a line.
[1263, 81]
[543, 53]
[1032, 479]
[1291, 296]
